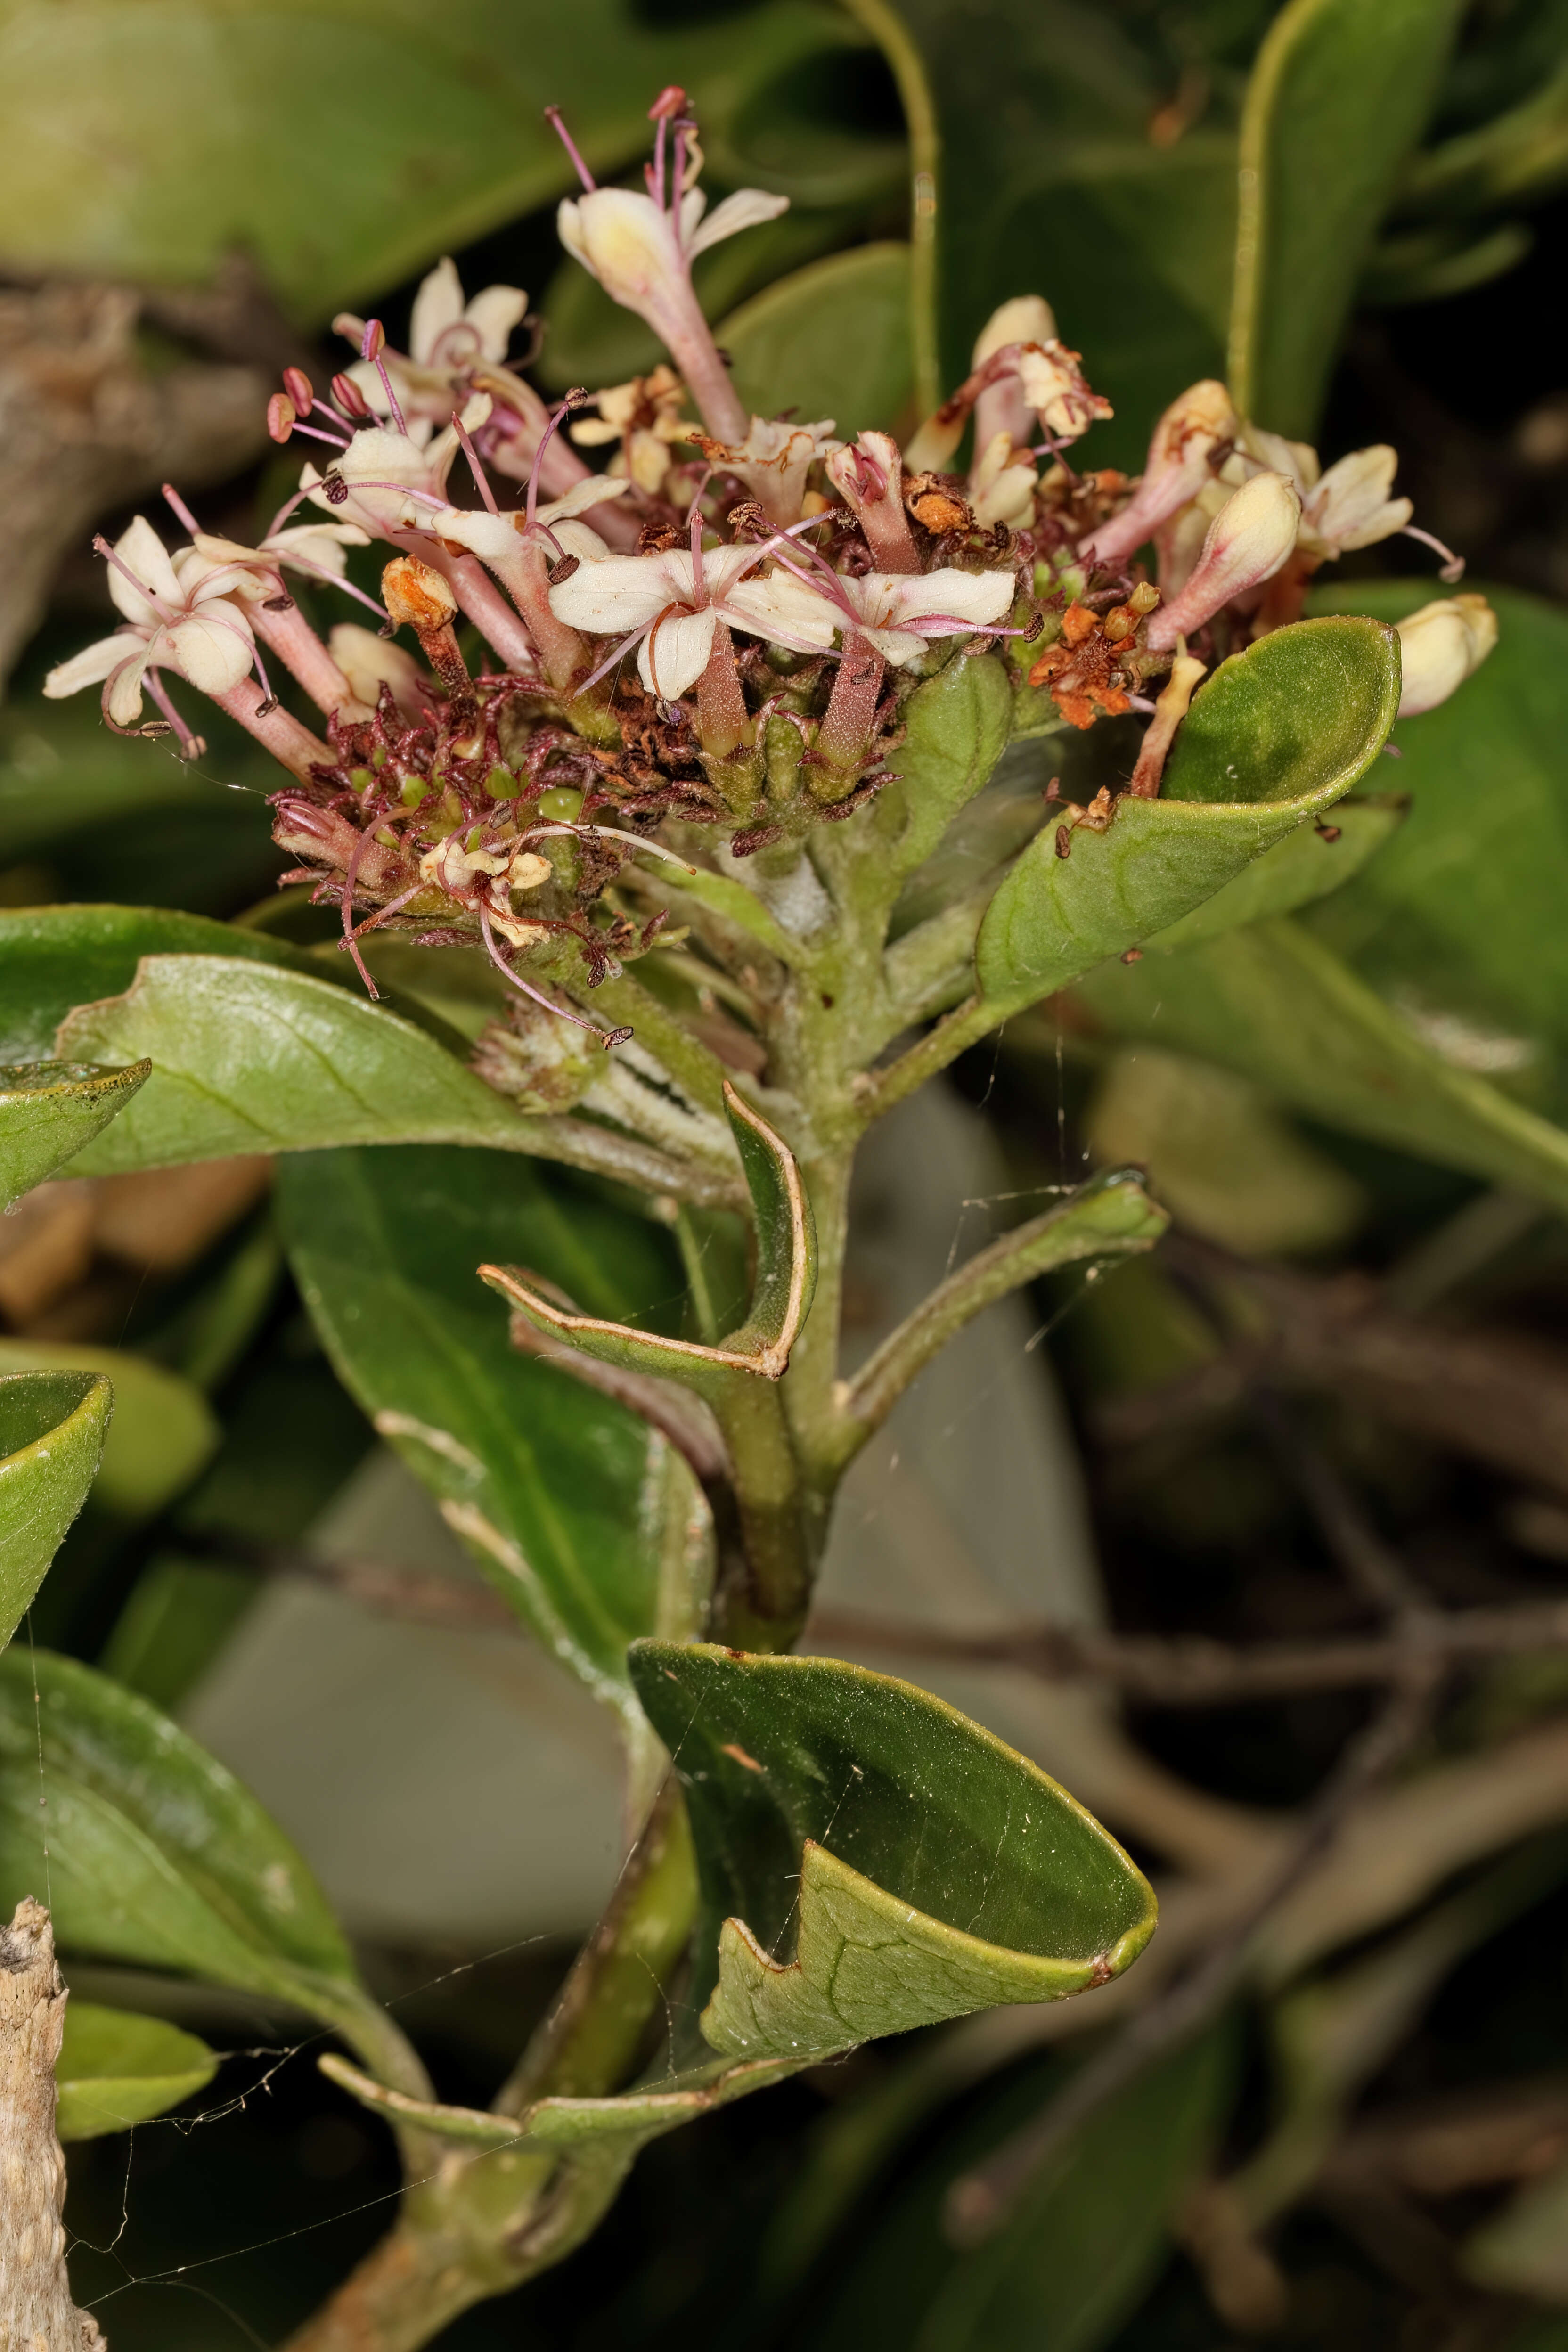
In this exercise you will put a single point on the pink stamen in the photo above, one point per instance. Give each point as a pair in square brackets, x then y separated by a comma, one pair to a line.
[507, 972]
[1453, 565]
[553, 116]
[697, 588]
[626, 646]
[181, 511]
[191, 746]
[609, 833]
[573, 399]
[371, 348]
[346, 904]
[101, 547]
[481, 482]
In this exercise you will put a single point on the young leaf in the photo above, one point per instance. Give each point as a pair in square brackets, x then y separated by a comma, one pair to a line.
[48, 1110]
[781, 1295]
[1338, 96]
[162, 1432]
[251, 1057]
[116, 2068]
[830, 339]
[1274, 1004]
[51, 1434]
[156, 1854]
[871, 1861]
[1274, 737]
[548, 1482]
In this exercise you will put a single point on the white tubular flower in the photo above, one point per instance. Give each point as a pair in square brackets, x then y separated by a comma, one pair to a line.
[774, 461]
[192, 627]
[641, 249]
[448, 339]
[1248, 541]
[901, 612]
[1439, 648]
[386, 482]
[645, 418]
[1193, 430]
[1001, 407]
[669, 606]
[1350, 505]
[868, 475]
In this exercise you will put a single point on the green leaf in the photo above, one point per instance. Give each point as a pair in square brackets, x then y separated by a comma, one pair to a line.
[48, 1110]
[1523, 2250]
[54, 958]
[344, 147]
[1461, 912]
[781, 1289]
[831, 339]
[956, 727]
[156, 1854]
[554, 1487]
[51, 1434]
[1274, 1004]
[162, 1432]
[116, 2068]
[250, 1057]
[1275, 737]
[871, 1861]
[1307, 865]
[1339, 95]
[1082, 2247]
[1030, 118]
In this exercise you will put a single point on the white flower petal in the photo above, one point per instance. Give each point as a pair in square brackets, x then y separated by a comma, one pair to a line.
[674, 654]
[437, 306]
[495, 315]
[143, 552]
[492, 536]
[123, 700]
[783, 609]
[896, 646]
[972, 597]
[1026, 318]
[214, 653]
[620, 592]
[582, 495]
[747, 208]
[91, 666]
[579, 539]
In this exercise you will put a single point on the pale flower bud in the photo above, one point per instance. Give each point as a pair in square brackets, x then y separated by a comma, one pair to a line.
[1191, 432]
[1439, 648]
[1248, 541]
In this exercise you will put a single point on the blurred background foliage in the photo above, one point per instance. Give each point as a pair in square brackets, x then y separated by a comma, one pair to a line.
[1363, 1106]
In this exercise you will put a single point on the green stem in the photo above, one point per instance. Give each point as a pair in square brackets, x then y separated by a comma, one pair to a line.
[925, 149]
[962, 1027]
[780, 1557]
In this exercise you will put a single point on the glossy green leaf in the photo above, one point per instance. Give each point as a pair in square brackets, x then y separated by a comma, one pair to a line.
[344, 147]
[871, 1859]
[1273, 1002]
[1309, 864]
[557, 1490]
[1462, 913]
[1338, 96]
[1273, 739]
[781, 1289]
[54, 958]
[48, 1110]
[156, 1854]
[51, 1435]
[116, 2068]
[1083, 2245]
[162, 1432]
[250, 1057]
[1031, 118]
[831, 339]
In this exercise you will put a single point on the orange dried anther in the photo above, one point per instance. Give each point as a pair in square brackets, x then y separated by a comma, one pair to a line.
[1080, 669]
